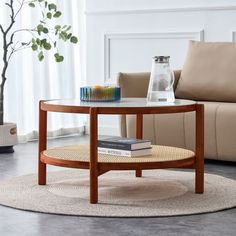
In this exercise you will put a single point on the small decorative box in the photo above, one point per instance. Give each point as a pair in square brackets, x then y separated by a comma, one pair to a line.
[100, 94]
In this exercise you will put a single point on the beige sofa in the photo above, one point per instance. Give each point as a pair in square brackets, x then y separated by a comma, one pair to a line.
[178, 129]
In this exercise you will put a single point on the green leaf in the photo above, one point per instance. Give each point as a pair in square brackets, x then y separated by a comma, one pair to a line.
[40, 28]
[52, 6]
[63, 35]
[38, 41]
[40, 56]
[25, 44]
[49, 15]
[57, 14]
[57, 27]
[47, 46]
[74, 39]
[68, 28]
[34, 47]
[45, 30]
[43, 41]
[31, 4]
[58, 57]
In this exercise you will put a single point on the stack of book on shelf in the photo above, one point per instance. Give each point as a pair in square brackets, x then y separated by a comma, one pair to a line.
[128, 147]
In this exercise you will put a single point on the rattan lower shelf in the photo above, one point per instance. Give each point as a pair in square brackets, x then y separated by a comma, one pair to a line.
[80, 153]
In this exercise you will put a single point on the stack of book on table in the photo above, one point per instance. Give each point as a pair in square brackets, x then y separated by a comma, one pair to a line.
[128, 147]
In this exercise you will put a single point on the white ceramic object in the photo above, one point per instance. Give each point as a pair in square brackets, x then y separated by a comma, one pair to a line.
[8, 135]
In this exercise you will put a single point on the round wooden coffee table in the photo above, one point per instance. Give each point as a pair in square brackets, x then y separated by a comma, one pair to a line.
[87, 157]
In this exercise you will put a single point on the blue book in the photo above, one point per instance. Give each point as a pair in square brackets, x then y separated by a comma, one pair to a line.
[123, 143]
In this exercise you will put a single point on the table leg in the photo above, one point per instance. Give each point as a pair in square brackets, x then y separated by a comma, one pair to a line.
[139, 135]
[93, 155]
[199, 165]
[42, 145]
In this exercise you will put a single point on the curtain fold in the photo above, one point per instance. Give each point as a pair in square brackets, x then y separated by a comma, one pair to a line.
[30, 80]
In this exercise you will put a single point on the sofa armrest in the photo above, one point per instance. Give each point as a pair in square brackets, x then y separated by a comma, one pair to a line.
[177, 77]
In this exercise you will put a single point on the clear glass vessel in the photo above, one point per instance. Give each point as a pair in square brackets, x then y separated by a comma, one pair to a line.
[161, 81]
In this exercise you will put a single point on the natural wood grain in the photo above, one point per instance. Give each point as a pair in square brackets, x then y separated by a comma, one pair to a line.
[118, 110]
[93, 155]
[139, 135]
[42, 144]
[65, 109]
[199, 170]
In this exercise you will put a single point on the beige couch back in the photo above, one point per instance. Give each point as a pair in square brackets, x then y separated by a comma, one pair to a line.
[136, 84]
[209, 72]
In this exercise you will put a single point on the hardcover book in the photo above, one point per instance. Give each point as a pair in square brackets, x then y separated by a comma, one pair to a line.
[123, 143]
[125, 153]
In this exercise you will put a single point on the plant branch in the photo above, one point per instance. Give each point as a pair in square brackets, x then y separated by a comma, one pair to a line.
[28, 30]
[20, 30]
[18, 11]
[10, 5]
[1, 28]
[17, 50]
[10, 41]
[5, 48]
[42, 11]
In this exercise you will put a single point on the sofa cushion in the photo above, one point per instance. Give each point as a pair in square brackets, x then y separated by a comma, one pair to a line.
[209, 72]
[133, 84]
[178, 130]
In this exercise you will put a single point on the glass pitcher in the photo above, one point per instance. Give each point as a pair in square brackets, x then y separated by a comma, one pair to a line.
[161, 81]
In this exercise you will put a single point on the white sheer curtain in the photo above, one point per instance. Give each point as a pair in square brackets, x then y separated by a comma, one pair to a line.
[30, 80]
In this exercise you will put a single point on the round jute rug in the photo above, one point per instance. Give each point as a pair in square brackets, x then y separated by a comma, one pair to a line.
[121, 194]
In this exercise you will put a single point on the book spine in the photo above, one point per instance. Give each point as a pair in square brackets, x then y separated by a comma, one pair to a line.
[114, 152]
[112, 145]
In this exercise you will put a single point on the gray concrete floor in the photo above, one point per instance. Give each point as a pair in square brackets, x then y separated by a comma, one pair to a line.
[16, 222]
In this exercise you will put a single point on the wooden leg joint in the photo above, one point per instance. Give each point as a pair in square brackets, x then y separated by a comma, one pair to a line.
[138, 173]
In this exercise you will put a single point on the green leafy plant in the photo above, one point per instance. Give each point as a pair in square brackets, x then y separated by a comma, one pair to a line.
[43, 37]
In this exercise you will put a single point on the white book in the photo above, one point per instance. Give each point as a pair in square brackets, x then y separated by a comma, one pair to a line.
[118, 152]
[122, 143]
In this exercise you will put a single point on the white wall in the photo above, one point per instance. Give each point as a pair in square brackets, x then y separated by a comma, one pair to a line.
[123, 35]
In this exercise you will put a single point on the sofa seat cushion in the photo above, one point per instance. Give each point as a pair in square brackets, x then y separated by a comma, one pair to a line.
[209, 72]
[178, 130]
[220, 130]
